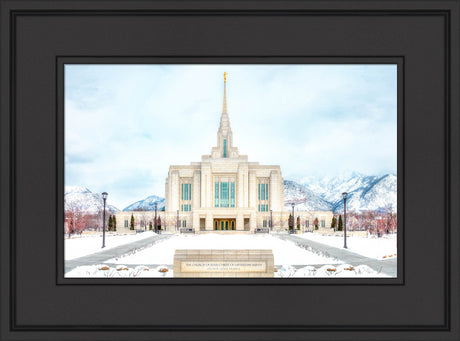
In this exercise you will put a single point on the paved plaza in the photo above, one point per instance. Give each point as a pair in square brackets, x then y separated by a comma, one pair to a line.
[387, 267]
[102, 256]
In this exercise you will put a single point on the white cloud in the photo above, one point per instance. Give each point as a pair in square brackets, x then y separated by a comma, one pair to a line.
[125, 124]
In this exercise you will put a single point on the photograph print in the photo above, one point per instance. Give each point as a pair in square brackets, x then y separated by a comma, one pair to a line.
[238, 170]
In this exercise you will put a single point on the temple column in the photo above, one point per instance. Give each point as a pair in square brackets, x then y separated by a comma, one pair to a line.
[252, 189]
[196, 221]
[209, 222]
[174, 191]
[205, 183]
[253, 221]
[240, 222]
[196, 190]
[240, 188]
[274, 191]
[167, 199]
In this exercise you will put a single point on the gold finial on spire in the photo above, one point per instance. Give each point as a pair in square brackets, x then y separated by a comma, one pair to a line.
[224, 106]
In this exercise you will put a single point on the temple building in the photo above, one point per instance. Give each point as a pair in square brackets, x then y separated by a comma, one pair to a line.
[223, 192]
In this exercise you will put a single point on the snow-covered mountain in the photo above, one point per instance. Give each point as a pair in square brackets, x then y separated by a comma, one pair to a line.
[147, 204]
[331, 188]
[84, 200]
[365, 192]
[304, 198]
[380, 194]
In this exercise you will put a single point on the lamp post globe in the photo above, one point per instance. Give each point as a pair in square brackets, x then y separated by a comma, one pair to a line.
[344, 196]
[104, 197]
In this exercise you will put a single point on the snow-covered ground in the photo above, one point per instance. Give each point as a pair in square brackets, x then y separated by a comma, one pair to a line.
[341, 270]
[290, 259]
[86, 245]
[378, 248]
[284, 252]
[103, 270]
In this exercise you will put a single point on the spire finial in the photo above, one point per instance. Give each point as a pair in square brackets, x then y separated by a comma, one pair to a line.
[224, 106]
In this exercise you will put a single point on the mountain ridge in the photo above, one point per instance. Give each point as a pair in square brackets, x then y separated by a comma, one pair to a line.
[147, 204]
[365, 192]
[82, 199]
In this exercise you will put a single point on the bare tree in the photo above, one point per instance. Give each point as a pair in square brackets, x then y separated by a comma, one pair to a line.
[77, 220]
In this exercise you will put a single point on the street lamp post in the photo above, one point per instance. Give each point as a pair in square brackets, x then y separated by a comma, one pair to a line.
[104, 196]
[344, 195]
[155, 205]
[293, 220]
[177, 221]
[271, 220]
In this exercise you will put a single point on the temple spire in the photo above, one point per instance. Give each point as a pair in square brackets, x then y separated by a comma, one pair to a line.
[224, 148]
[224, 105]
[224, 121]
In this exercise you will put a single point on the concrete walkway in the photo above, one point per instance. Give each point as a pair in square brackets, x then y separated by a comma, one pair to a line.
[387, 266]
[102, 256]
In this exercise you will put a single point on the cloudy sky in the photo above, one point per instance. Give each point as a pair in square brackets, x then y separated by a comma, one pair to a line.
[125, 124]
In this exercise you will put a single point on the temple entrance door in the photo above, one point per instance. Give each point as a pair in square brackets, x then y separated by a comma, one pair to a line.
[224, 224]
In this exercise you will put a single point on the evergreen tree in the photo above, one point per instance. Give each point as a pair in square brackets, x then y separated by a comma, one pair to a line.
[159, 223]
[334, 222]
[298, 223]
[291, 222]
[114, 221]
[340, 223]
[150, 226]
[316, 223]
[110, 223]
[132, 222]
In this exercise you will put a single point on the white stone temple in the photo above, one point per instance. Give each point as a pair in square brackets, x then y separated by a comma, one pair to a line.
[223, 192]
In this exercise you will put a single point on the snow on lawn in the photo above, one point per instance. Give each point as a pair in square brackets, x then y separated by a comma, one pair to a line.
[284, 252]
[341, 270]
[372, 247]
[103, 270]
[86, 245]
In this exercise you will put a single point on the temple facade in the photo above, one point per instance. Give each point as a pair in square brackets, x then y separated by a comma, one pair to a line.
[223, 192]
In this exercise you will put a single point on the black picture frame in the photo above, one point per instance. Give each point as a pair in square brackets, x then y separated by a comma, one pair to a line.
[36, 303]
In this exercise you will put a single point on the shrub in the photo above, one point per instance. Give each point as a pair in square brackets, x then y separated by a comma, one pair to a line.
[316, 223]
[132, 222]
